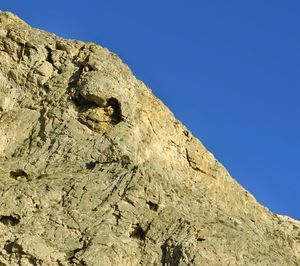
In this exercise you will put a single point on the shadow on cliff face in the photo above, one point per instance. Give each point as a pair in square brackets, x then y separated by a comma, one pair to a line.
[10, 220]
[171, 255]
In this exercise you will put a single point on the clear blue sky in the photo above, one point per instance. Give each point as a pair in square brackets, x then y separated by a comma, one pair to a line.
[229, 70]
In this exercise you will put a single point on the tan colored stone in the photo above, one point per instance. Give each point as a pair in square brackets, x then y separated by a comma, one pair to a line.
[95, 170]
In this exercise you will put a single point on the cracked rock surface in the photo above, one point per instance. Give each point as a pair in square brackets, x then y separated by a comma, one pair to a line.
[95, 170]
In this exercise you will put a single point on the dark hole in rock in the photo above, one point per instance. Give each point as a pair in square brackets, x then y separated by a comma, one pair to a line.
[117, 114]
[138, 233]
[152, 206]
[46, 88]
[88, 67]
[16, 174]
[91, 165]
[13, 247]
[27, 51]
[96, 112]
[200, 239]
[9, 220]
[9, 247]
[49, 56]
[125, 161]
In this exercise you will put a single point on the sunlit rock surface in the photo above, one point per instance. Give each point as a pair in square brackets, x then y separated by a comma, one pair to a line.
[95, 170]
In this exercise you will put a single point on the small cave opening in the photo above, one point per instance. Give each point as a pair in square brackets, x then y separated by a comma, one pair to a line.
[91, 165]
[12, 247]
[8, 247]
[9, 220]
[153, 206]
[27, 51]
[97, 113]
[138, 233]
[18, 173]
[117, 113]
[49, 56]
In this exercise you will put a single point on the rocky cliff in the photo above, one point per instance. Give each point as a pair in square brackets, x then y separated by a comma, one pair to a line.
[95, 170]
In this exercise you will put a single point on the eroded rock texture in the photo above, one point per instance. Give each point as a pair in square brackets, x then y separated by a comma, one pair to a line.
[94, 170]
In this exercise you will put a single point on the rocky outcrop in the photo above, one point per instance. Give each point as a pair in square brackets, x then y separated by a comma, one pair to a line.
[94, 170]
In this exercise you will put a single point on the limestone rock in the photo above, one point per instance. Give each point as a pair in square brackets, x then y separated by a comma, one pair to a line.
[95, 170]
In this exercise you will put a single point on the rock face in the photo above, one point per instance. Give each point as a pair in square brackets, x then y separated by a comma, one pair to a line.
[95, 170]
